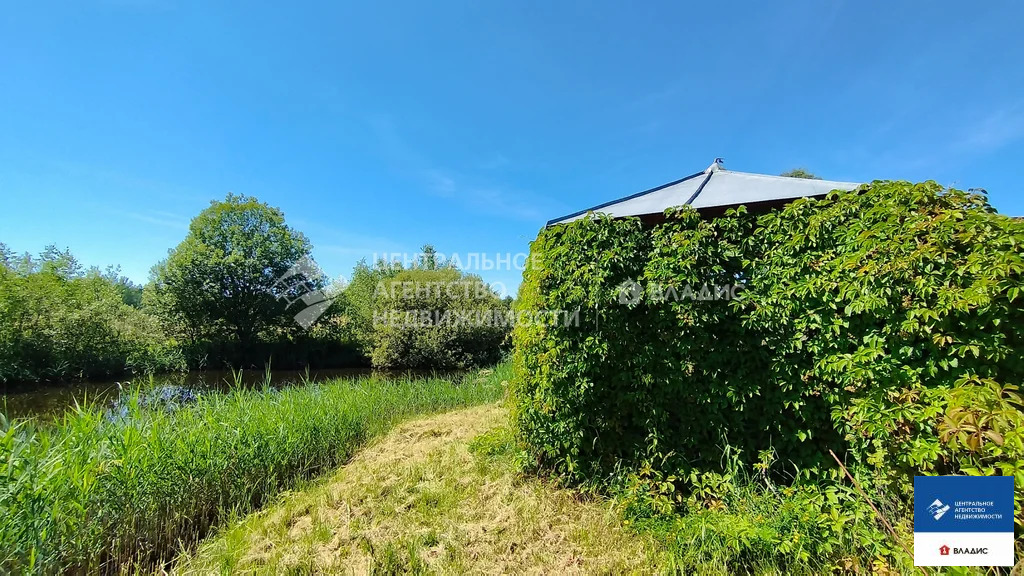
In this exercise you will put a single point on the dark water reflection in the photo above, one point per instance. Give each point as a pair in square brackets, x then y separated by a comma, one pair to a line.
[48, 400]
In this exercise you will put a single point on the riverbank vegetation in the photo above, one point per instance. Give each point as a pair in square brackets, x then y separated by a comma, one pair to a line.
[59, 322]
[103, 491]
[240, 291]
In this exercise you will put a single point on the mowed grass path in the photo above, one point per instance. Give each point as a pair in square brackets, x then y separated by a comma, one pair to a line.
[436, 495]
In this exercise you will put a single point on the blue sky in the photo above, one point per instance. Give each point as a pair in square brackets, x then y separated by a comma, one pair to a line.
[379, 126]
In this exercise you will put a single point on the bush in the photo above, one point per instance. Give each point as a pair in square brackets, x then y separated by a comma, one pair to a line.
[359, 300]
[57, 327]
[740, 521]
[801, 529]
[438, 318]
[328, 343]
[885, 323]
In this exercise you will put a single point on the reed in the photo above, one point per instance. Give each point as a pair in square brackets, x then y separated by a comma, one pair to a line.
[102, 493]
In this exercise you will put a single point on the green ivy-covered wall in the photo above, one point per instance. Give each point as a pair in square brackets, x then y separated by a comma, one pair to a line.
[885, 324]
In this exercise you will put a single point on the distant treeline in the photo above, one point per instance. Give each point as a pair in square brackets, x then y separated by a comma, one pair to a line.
[239, 291]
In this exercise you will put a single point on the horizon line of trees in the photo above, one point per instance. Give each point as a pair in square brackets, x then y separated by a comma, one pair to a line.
[227, 296]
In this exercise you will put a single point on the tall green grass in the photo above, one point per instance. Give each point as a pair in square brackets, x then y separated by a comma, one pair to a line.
[94, 494]
[742, 521]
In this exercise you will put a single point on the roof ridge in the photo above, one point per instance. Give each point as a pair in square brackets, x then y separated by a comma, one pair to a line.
[710, 172]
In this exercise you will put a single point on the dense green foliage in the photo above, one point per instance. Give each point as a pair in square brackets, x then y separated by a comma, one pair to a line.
[233, 287]
[96, 492]
[360, 298]
[741, 520]
[437, 318]
[224, 297]
[431, 315]
[222, 281]
[58, 322]
[884, 324]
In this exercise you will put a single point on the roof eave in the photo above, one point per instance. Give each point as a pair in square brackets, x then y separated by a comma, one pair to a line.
[616, 201]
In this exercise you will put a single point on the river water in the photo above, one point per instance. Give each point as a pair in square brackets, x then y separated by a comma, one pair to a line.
[47, 401]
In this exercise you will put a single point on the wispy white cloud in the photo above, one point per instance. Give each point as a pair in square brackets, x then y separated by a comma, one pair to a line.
[503, 201]
[330, 239]
[902, 147]
[654, 99]
[484, 197]
[994, 130]
[980, 132]
[349, 250]
[156, 5]
[479, 192]
[130, 183]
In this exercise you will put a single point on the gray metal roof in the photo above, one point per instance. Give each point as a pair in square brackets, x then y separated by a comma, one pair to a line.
[714, 187]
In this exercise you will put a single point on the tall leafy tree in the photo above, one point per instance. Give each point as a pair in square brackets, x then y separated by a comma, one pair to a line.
[428, 259]
[131, 293]
[236, 273]
[51, 260]
[59, 262]
[57, 322]
[7, 257]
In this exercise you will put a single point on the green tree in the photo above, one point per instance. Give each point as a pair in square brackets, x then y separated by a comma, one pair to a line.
[56, 323]
[51, 259]
[131, 293]
[60, 262]
[429, 259]
[7, 257]
[235, 274]
[437, 318]
[800, 173]
[358, 297]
